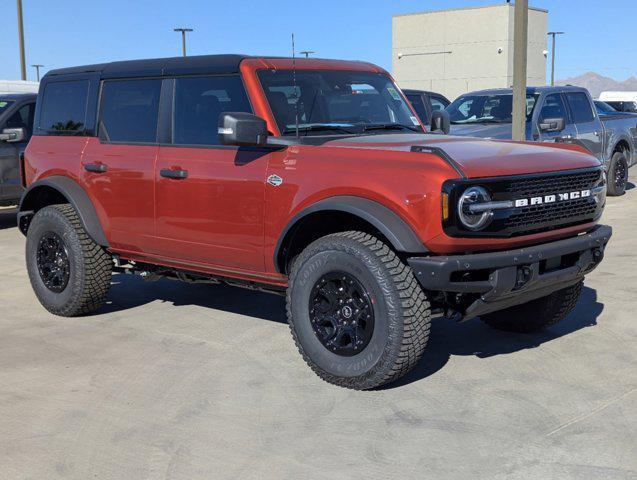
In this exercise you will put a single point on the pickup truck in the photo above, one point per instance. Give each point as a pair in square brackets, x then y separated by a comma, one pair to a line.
[554, 114]
[307, 178]
[16, 125]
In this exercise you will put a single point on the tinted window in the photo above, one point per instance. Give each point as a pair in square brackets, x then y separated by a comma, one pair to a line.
[23, 118]
[64, 107]
[4, 105]
[419, 105]
[438, 104]
[580, 107]
[198, 103]
[553, 107]
[479, 108]
[129, 111]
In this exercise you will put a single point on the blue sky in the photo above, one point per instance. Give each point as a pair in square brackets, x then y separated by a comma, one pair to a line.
[602, 36]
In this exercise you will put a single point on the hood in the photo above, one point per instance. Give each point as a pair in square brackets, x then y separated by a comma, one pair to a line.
[478, 157]
[498, 131]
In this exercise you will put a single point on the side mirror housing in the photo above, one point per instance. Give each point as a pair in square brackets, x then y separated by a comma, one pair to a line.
[440, 122]
[552, 124]
[13, 135]
[242, 129]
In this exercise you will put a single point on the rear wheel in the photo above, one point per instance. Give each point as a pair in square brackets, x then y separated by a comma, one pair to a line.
[69, 272]
[357, 314]
[618, 174]
[537, 315]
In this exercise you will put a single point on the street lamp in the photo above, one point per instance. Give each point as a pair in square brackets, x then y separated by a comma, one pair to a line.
[307, 53]
[23, 68]
[553, 34]
[183, 37]
[37, 70]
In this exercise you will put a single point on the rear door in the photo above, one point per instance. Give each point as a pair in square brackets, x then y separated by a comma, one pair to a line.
[210, 198]
[118, 165]
[22, 117]
[587, 123]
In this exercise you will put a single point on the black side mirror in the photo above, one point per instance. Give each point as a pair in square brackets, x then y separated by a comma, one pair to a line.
[440, 122]
[552, 124]
[242, 129]
[13, 135]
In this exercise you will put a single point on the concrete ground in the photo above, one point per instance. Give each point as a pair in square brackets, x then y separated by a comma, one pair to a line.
[201, 382]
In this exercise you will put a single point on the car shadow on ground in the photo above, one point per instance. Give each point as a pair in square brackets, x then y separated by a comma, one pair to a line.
[130, 291]
[475, 338]
[447, 338]
[8, 217]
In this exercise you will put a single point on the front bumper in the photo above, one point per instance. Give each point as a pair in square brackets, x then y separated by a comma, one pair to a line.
[499, 280]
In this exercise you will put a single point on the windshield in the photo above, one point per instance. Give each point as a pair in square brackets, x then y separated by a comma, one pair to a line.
[340, 102]
[487, 108]
[4, 106]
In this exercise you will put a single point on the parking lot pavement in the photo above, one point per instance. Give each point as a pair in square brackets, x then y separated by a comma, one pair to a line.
[186, 382]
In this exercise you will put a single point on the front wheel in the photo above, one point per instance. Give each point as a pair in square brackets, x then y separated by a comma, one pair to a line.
[70, 274]
[357, 314]
[617, 174]
[536, 315]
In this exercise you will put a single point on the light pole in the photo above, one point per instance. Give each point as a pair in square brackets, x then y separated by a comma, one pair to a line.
[183, 37]
[520, 52]
[307, 53]
[553, 34]
[37, 70]
[23, 67]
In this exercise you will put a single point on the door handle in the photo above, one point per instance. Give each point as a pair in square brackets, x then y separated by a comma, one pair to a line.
[95, 167]
[174, 174]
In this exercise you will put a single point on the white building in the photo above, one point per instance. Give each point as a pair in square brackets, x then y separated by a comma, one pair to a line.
[460, 50]
[18, 86]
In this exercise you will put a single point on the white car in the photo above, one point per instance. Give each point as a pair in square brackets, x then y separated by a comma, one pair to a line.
[620, 101]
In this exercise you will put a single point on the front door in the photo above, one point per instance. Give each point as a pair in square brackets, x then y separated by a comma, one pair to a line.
[210, 198]
[553, 106]
[11, 188]
[118, 167]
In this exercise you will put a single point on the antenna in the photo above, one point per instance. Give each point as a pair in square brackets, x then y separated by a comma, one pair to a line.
[296, 104]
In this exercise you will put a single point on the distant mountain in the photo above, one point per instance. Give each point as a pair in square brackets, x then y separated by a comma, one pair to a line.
[596, 83]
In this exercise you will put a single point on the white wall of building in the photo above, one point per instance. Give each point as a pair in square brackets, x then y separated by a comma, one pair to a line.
[480, 42]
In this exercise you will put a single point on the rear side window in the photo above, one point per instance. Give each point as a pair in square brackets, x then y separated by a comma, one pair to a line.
[580, 107]
[129, 111]
[198, 103]
[64, 107]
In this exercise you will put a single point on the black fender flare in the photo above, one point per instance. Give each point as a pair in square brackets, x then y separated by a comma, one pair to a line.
[401, 236]
[74, 194]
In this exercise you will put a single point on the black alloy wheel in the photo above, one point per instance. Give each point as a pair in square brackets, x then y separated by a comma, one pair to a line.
[53, 262]
[341, 314]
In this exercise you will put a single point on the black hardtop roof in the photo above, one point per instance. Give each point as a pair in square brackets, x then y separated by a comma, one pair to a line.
[158, 67]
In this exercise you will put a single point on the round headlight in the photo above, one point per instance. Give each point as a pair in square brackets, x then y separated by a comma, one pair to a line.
[474, 220]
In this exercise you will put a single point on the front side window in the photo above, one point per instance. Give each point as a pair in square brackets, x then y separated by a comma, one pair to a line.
[23, 118]
[198, 103]
[129, 110]
[478, 108]
[580, 107]
[553, 107]
[336, 102]
[64, 107]
[437, 104]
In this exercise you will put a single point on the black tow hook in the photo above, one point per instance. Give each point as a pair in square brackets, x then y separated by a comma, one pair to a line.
[598, 255]
[524, 275]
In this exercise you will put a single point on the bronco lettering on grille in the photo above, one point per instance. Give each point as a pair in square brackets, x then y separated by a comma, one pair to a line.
[560, 197]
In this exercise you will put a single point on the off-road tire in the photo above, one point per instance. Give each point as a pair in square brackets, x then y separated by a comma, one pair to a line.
[401, 310]
[617, 163]
[536, 315]
[90, 265]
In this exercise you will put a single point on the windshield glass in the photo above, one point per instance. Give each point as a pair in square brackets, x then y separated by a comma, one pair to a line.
[4, 106]
[487, 108]
[603, 107]
[340, 102]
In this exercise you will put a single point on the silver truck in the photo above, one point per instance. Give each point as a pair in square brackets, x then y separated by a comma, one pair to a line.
[554, 114]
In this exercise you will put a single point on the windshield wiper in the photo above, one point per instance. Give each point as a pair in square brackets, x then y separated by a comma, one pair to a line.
[390, 126]
[318, 128]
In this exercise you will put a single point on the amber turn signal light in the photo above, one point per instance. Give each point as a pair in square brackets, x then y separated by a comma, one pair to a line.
[445, 207]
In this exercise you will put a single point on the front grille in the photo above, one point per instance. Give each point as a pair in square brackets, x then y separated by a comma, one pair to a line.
[530, 219]
[553, 183]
